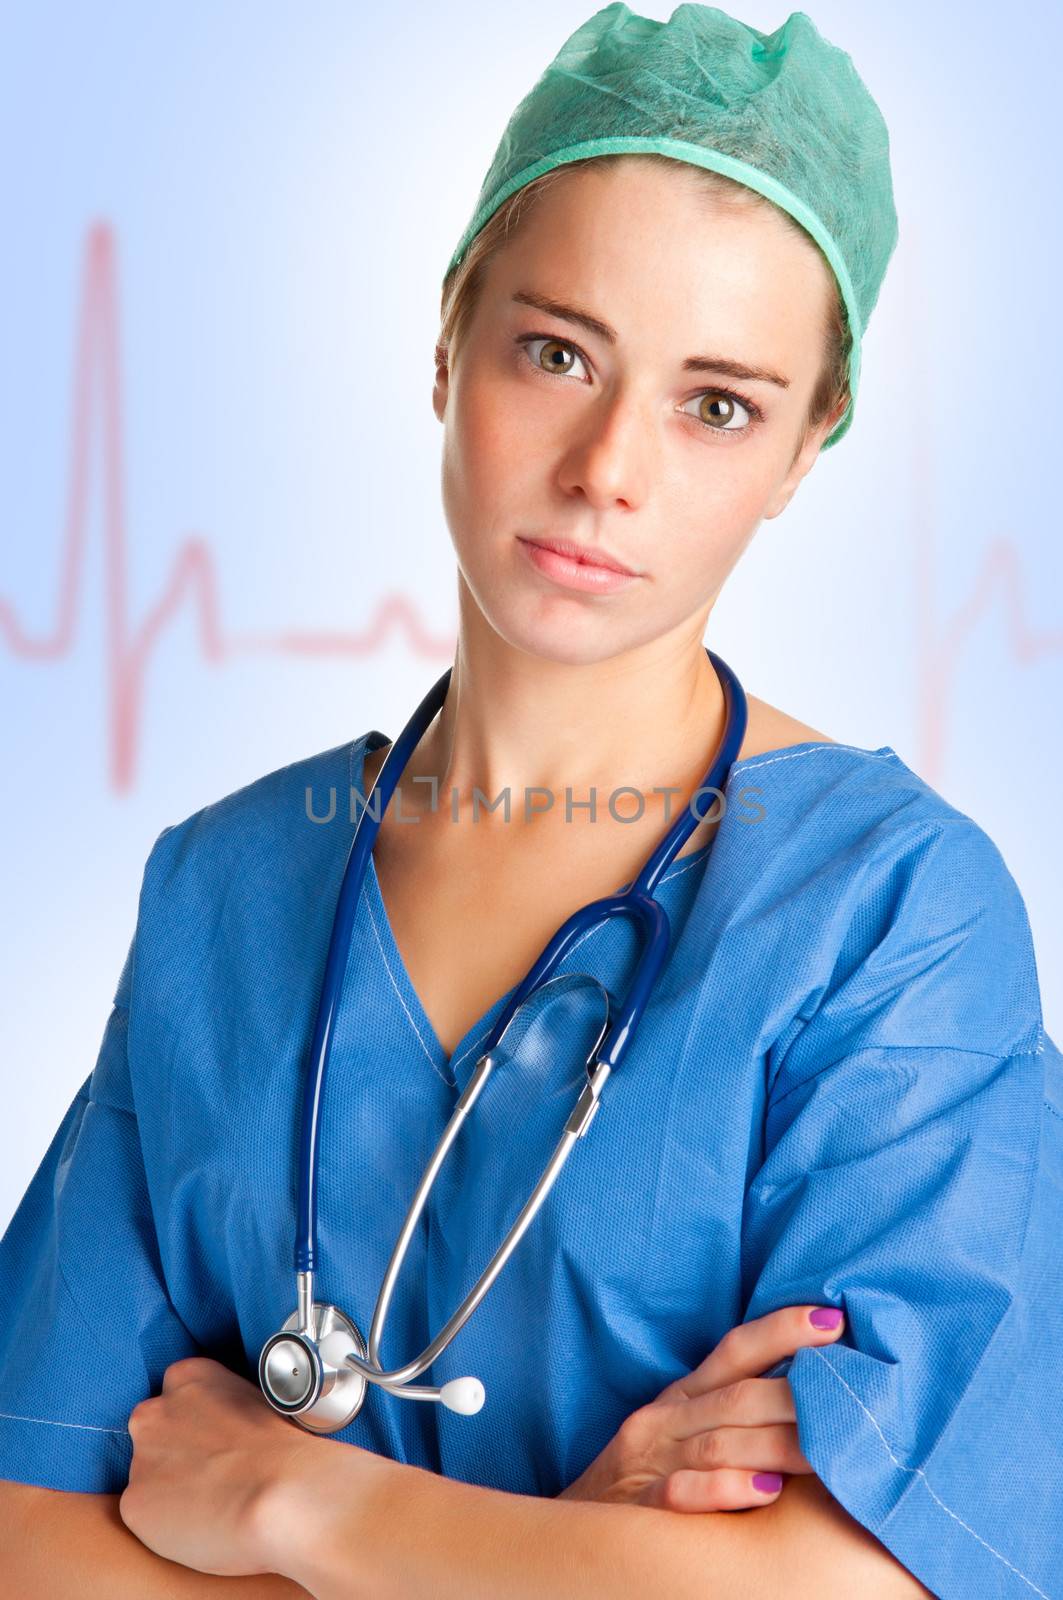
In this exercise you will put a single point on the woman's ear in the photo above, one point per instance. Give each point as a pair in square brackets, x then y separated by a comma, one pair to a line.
[440, 388]
[803, 462]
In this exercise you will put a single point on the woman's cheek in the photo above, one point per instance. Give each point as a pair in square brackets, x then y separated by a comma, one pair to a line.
[495, 419]
[704, 552]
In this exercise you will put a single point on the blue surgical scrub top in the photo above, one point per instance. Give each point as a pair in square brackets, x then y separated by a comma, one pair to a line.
[841, 1094]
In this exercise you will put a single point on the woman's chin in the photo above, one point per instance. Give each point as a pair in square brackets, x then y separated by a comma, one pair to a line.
[550, 622]
[550, 634]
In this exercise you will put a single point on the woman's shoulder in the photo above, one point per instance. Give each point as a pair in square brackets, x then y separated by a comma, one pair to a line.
[795, 757]
[770, 731]
[863, 837]
[285, 818]
[790, 758]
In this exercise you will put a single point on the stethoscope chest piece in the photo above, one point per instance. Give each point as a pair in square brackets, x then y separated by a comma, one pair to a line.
[308, 1377]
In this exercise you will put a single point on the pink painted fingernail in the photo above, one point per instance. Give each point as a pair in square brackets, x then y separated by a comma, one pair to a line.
[767, 1482]
[825, 1317]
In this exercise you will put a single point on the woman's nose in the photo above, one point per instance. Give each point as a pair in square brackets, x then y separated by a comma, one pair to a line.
[611, 456]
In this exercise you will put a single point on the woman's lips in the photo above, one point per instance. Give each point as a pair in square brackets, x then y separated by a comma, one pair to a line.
[573, 573]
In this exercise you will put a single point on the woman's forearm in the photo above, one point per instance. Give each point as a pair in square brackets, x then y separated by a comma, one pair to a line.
[54, 1545]
[405, 1533]
[401, 1533]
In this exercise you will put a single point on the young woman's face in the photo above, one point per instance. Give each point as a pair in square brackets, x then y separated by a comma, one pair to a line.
[608, 437]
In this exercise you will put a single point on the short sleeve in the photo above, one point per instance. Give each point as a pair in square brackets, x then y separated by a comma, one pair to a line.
[86, 1326]
[912, 1175]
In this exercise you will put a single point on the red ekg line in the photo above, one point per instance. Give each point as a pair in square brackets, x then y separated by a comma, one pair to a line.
[999, 581]
[193, 574]
[999, 584]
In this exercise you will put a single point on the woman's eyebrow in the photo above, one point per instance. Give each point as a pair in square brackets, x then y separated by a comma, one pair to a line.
[724, 364]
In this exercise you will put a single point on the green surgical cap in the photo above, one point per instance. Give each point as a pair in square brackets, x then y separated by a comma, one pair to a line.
[784, 113]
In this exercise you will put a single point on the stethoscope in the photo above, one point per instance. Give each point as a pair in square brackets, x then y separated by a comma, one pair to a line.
[315, 1368]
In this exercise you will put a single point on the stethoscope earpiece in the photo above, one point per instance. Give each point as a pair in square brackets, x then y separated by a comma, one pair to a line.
[464, 1395]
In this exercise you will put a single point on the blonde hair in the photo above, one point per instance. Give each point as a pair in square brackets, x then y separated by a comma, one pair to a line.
[461, 287]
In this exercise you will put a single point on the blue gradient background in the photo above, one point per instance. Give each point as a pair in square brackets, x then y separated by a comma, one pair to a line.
[284, 186]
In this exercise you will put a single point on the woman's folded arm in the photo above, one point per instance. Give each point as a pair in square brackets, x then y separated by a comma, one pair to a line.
[58, 1543]
[410, 1533]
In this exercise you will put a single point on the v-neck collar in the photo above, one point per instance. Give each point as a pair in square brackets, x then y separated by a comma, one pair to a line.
[455, 1069]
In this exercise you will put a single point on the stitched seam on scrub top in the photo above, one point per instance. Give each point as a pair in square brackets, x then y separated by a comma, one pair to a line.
[678, 871]
[796, 755]
[673, 872]
[893, 1049]
[401, 997]
[926, 1484]
[46, 1422]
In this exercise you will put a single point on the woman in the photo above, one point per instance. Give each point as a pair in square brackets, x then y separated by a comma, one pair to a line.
[842, 1096]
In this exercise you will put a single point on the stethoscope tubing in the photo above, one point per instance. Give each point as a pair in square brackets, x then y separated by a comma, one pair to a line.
[636, 902]
[319, 1346]
[365, 833]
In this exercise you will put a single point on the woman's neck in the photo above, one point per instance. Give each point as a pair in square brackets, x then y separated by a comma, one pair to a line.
[513, 722]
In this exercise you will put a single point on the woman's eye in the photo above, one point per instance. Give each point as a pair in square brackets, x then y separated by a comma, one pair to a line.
[551, 355]
[718, 410]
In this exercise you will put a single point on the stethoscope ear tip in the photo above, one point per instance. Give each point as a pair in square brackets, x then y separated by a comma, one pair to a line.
[464, 1395]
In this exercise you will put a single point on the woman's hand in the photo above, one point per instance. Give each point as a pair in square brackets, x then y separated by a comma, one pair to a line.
[698, 1446]
[209, 1455]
